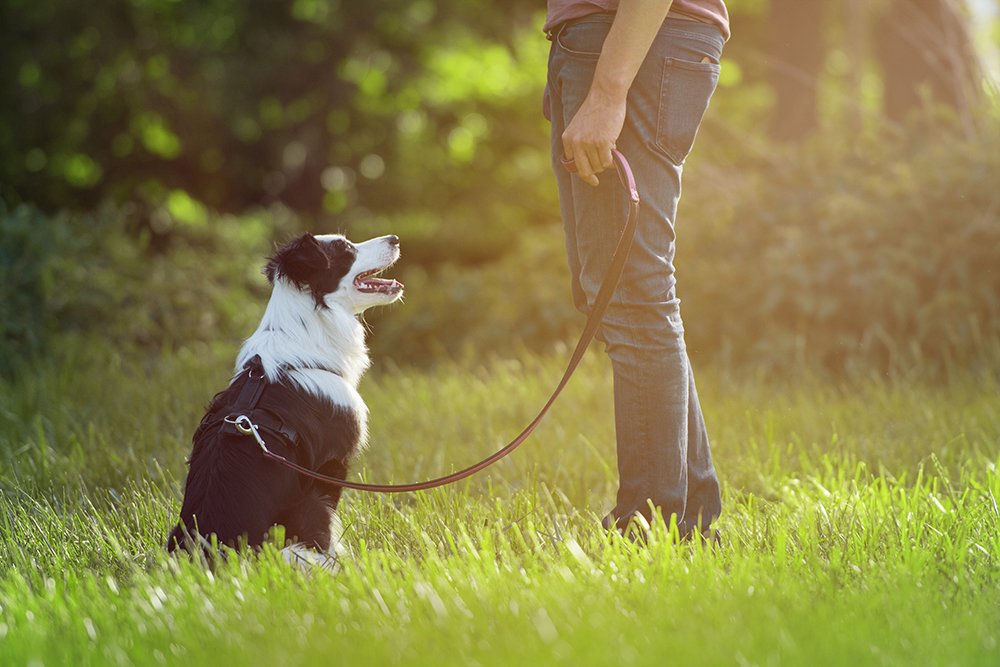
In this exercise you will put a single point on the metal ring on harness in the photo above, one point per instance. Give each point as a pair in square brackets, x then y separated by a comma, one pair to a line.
[246, 426]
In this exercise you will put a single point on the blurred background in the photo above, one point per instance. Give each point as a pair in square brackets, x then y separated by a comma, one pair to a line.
[841, 209]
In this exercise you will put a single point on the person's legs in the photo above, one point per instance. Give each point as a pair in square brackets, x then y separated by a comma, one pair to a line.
[663, 450]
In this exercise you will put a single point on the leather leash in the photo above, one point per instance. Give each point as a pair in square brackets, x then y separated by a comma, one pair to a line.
[245, 425]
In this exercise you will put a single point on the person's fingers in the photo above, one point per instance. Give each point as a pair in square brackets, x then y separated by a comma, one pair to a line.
[568, 147]
[584, 169]
[595, 158]
[606, 160]
[586, 157]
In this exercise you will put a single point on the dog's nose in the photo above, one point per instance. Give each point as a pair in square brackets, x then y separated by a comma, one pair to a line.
[393, 239]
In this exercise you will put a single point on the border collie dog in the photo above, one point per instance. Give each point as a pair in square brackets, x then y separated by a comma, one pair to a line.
[296, 378]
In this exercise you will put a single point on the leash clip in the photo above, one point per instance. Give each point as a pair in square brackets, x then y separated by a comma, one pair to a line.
[245, 426]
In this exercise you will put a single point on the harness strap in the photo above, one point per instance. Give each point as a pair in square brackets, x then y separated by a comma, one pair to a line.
[267, 421]
[247, 404]
[253, 388]
[611, 279]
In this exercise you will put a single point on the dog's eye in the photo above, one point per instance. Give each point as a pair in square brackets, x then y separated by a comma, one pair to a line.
[343, 245]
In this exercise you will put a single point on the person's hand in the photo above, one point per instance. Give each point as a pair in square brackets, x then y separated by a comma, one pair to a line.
[592, 134]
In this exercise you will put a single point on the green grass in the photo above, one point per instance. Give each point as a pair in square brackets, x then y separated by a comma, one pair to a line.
[861, 527]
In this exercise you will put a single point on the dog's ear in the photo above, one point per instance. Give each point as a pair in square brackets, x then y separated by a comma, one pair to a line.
[298, 261]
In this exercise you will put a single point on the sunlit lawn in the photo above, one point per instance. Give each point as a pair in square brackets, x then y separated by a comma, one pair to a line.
[861, 527]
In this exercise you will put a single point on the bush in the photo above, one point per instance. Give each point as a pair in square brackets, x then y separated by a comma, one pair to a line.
[94, 275]
[41, 290]
[826, 258]
[883, 256]
[886, 254]
[453, 310]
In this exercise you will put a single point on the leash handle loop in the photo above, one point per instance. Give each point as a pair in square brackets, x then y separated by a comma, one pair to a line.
[594, 318]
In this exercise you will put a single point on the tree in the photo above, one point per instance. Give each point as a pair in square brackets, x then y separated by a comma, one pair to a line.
[794, 53]
[922, 49]
[241, 102]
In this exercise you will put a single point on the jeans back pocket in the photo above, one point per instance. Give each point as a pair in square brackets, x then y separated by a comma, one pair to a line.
[685, 91]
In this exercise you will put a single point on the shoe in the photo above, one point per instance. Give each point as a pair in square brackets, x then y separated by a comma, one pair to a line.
[711, 538]
[635, 528]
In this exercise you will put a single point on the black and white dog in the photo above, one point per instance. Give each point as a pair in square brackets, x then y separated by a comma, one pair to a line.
[296, 378]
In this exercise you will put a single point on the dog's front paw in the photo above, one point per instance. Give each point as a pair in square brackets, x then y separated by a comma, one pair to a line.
[309, 560]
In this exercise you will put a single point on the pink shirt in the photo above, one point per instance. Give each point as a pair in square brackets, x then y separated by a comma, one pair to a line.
[707, 11]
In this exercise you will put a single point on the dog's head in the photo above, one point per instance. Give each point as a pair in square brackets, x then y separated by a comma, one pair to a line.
[335, 271]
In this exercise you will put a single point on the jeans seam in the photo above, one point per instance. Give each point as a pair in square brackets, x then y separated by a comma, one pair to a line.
[691, 35]
[660, 131]
[691, 66]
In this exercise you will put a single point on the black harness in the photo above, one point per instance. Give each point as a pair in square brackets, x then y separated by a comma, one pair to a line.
[266, 416]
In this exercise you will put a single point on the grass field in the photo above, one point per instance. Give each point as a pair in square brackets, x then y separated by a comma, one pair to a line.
[861, 526]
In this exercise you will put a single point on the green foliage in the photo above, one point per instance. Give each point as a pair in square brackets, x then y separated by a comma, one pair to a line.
[45, 268]
[422, 119]
[93, 275]
[323, 106]
[828, 258]
[882, 254]
[520, 301]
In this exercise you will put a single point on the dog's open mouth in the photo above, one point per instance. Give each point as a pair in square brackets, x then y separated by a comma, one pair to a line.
[368, 282]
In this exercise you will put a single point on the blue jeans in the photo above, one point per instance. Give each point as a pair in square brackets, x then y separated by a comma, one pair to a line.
[664, 463]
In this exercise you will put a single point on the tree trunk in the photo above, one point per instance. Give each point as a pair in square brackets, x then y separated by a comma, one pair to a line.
[925, 50]
[795, 52]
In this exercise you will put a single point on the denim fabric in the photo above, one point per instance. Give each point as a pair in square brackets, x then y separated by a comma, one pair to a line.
[663, 452]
